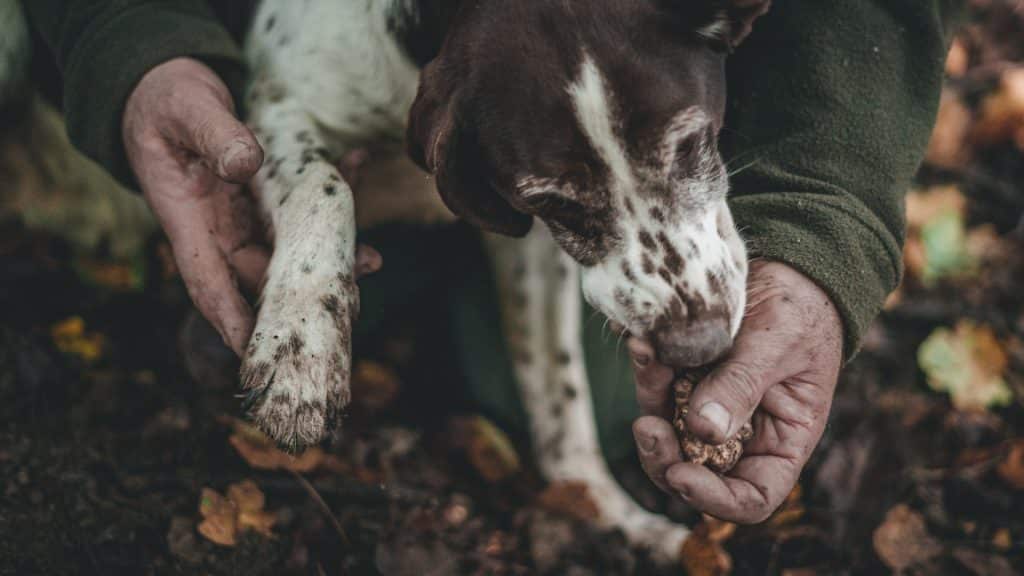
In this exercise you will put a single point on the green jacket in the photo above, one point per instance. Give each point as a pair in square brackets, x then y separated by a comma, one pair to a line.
[830, 108]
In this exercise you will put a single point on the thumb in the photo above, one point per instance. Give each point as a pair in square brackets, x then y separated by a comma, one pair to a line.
[225, 144]
[726, 399]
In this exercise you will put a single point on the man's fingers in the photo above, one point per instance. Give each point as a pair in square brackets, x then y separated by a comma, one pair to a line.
[726, 399]
[657, 447]
[226, 145]
[250, 264]
[203, 266]
[752, 491]
[653, 380]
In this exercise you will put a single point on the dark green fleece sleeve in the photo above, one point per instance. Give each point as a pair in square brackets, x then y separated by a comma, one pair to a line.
[103, 49]
[830, 108]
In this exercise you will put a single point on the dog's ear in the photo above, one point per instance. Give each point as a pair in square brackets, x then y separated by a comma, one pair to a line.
[445, 145]
[742, 14]
[724, 23]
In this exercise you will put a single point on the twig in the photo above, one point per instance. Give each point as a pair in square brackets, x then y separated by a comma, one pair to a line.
[312, 491]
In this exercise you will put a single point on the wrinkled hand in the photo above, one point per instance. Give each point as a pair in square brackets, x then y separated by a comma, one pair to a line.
[784, 364]
[192, 157]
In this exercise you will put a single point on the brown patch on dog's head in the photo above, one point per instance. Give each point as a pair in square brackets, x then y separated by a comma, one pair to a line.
[601, 119]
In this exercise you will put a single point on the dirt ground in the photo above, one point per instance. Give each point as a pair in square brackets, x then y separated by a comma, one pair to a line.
[120, 452]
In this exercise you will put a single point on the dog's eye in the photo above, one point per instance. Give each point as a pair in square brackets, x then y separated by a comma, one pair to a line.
[565, 211]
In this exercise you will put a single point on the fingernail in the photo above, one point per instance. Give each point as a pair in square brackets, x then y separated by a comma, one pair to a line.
[641, 360]
[647, 443]
[236, 158]
[718, 416]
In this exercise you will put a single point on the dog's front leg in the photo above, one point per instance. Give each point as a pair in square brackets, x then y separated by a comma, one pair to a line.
[542, 307]
[296, 366]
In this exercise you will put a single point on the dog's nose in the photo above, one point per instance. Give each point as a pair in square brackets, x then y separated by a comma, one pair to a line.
[682, 345]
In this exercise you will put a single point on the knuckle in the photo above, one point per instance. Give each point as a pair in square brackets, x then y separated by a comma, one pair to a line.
[743, 385]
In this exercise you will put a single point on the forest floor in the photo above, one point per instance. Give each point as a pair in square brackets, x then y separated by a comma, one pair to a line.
[120, 450]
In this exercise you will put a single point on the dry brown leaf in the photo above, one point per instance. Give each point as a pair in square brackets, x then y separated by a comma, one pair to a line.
[247, 496]
[259, 521]
[374, 385]
[571, 499]
[242, 509]
[260, 452]
[947, 147]
[923, 206]
[702, 553]
[220, 518]
[1002, 539]
[903, 540]
[957, 59]
[1002, 113]
[1011, 468]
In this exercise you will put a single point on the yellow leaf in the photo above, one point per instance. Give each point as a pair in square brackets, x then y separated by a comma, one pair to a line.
[488, 449]
[967, 363]
[71, 338]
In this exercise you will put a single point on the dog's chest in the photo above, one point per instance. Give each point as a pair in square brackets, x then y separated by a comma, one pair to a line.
[347, 63]
[354, 66]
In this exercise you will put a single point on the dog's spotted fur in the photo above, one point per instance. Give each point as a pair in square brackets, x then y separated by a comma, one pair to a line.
[598, 118]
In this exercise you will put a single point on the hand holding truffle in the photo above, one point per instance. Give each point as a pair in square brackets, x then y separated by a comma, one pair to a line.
[779, 377]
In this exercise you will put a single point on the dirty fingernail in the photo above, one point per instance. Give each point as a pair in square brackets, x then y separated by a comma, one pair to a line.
[718, 416]
[647, 443]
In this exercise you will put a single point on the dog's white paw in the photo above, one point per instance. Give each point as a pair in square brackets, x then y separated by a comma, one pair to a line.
[296, 368]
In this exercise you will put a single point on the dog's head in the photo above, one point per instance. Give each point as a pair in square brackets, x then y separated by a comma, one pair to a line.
[601, 119]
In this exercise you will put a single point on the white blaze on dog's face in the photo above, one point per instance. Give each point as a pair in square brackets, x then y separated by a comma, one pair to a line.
[673, 267]
[603, 123]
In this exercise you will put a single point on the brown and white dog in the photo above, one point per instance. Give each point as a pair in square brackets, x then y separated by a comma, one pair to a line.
[597, 118]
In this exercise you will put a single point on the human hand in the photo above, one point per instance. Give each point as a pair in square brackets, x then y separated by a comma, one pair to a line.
[784, 364]
[192, 157]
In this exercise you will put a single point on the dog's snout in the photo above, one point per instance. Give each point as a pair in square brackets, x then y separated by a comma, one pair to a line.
[688, 345]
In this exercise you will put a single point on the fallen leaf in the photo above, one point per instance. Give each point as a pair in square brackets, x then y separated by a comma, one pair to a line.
[957, 59]
[242, 509]
[1011, 468]
[968, 363]
[220, 518]
[374, 385]
[1002, 539]
[117, 276]
[982, 564]
[702, 553]
[247, 496]
[1001, 114]
[570, 499]
[71, 338]
[260, 452]
[947, 147]
[903, 540]
[487, 448]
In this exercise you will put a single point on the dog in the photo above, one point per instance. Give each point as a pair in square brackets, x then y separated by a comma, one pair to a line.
[580, 136]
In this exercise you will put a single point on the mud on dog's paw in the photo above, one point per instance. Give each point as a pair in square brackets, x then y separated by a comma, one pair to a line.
[296, 369]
